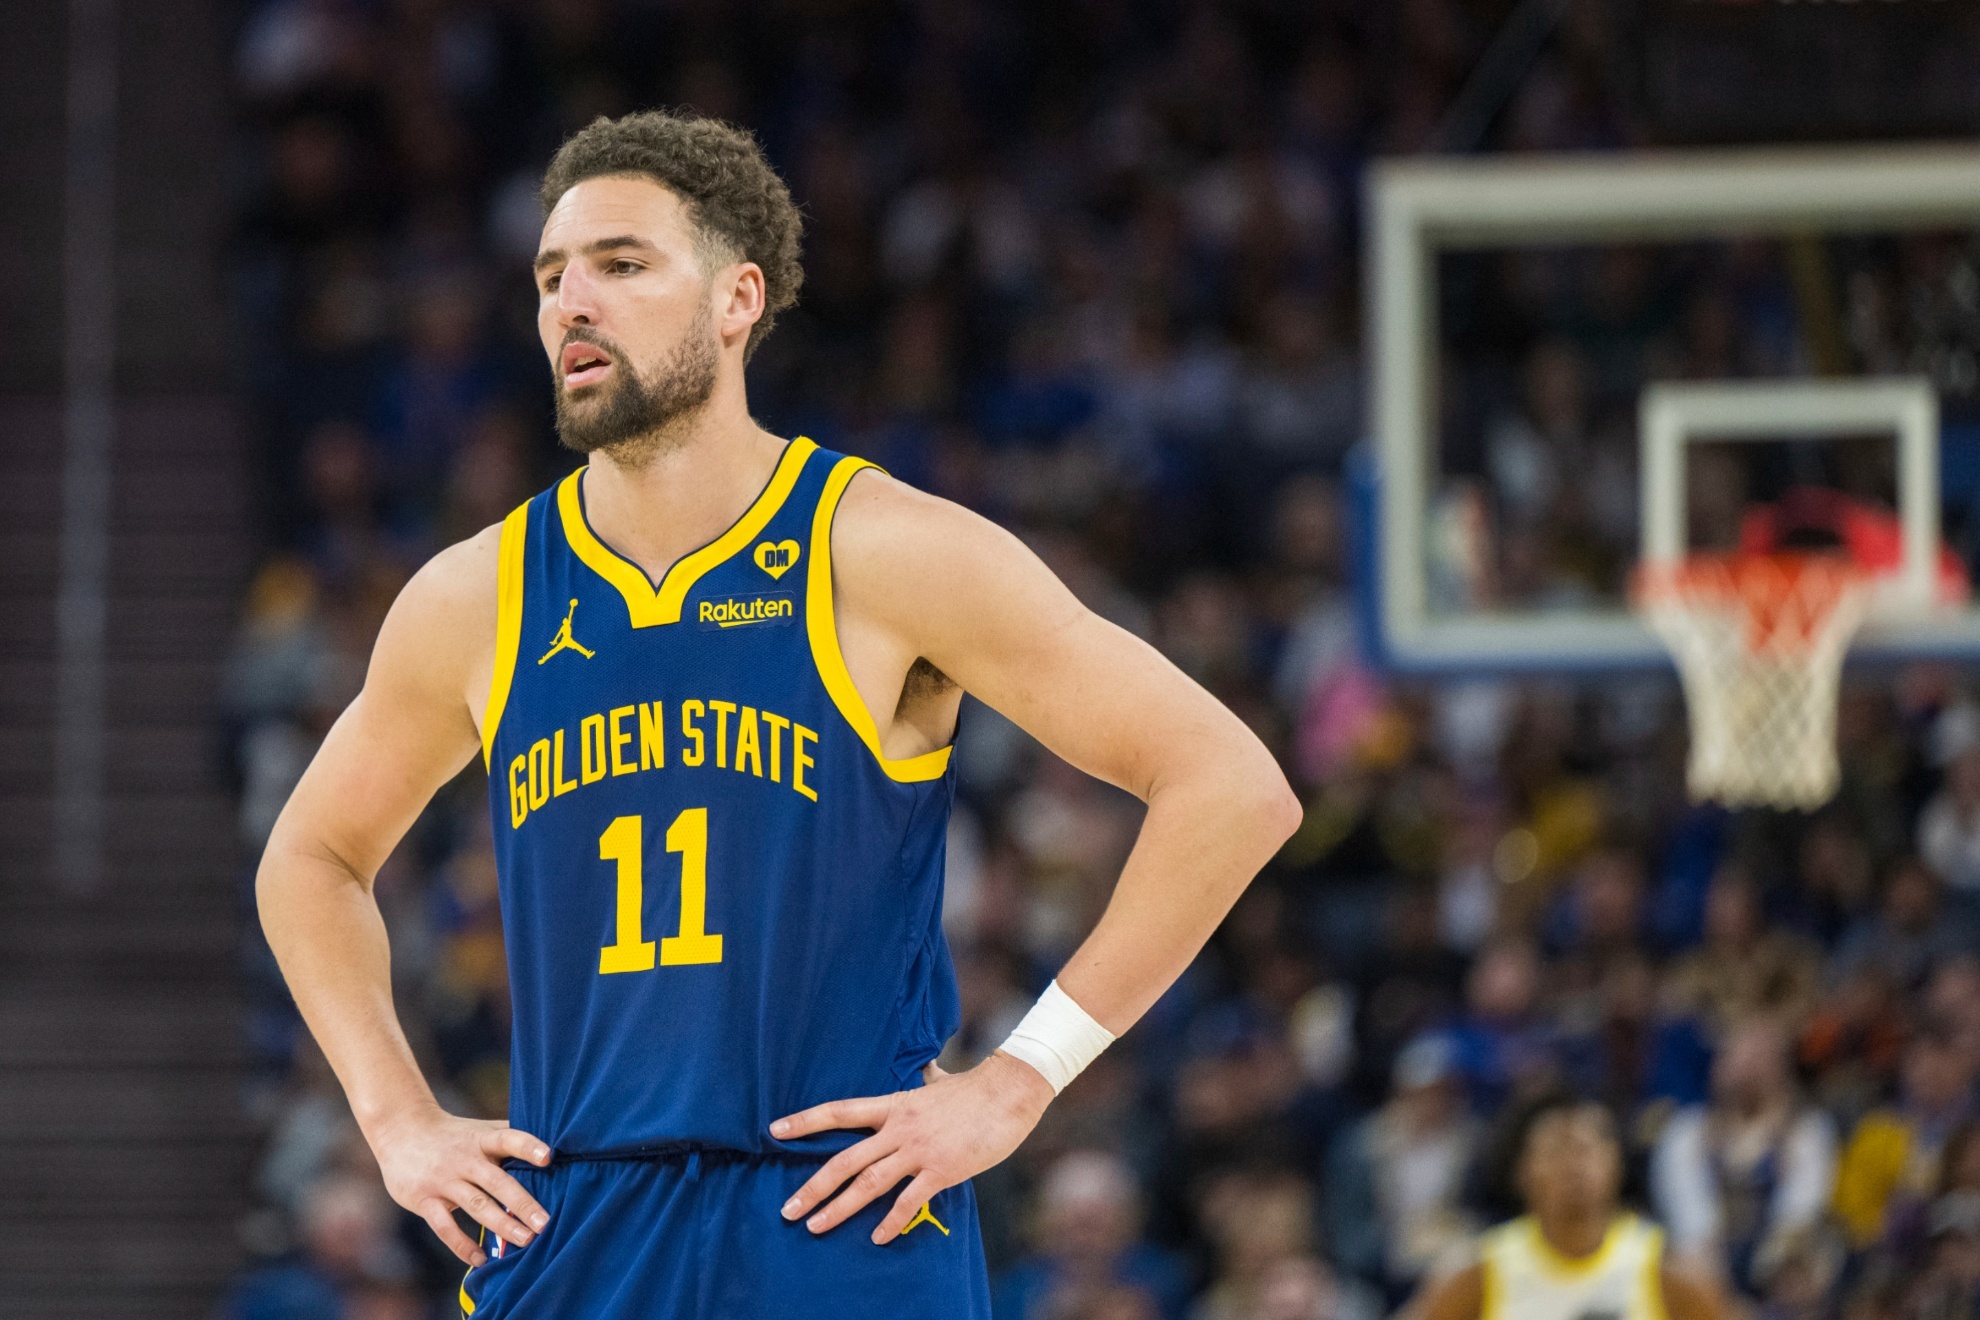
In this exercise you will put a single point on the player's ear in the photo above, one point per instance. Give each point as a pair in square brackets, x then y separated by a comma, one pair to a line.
[740, 299]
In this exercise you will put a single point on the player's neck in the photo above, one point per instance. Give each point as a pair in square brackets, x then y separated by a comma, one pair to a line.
[678, 497]
[1575, 1234]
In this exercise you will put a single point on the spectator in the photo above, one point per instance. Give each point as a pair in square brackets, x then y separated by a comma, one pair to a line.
[1950, 1287]
[1908, 934]
[1262, 1228]
[1799, 1281]
[348, 1255]
[1088, 1247]
[1907, 1236]
[1738, 1180]
[1893, 1155]
[1502, 1044]
[1854, 1042]
[1949, 827]
[1743, 968]
[1395, 1180]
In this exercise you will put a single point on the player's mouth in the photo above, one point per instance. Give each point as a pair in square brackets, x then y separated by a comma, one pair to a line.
[583, 364]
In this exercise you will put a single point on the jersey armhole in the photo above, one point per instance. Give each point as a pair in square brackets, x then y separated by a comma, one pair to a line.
[508, 625]
[822, 628]
[1488, 1286]
[1653, 1274]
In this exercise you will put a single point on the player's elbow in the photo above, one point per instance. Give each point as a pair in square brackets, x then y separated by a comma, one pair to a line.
[1262, 798]
[275, 881]
[295, 862]
[1279, 808]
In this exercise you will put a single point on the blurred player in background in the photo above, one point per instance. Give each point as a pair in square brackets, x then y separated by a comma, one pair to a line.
[1575, 1254]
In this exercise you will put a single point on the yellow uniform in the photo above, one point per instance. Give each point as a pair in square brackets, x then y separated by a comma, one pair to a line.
[1526, 1279]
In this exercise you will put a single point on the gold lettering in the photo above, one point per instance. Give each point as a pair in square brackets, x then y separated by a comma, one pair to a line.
[591, 749]
[690, 709]
[518, 792]
[799, 760]
[562, 785]
[539, 772]
[652, 745]
[746, 745]
[621, 737]
[777, 725]
[722, 709]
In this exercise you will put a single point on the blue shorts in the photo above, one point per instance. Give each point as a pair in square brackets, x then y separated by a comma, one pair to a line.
[700, 1236]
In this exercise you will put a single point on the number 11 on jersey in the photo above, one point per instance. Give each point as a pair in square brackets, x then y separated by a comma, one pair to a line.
[624, 842]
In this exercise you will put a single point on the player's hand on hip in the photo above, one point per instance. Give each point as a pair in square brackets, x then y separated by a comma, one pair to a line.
[950, 1130]
[436, 1163]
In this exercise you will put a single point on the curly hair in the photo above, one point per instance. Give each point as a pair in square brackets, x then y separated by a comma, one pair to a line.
[738, 205]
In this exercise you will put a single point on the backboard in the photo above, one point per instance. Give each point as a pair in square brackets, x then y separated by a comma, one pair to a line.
[1634, 267]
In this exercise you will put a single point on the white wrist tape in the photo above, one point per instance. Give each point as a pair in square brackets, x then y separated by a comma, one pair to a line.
[1058, 1038]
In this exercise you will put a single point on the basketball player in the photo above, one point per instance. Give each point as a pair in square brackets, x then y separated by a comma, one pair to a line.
[1574, 1255]
[714, 677]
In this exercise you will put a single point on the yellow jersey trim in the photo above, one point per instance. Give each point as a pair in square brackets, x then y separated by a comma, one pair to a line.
[649, 605]
[1488, 1286]
[508, 624]
[822, 626]
[1653, 1275]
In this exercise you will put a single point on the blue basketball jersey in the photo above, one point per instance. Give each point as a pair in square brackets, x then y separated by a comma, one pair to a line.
[722, 903]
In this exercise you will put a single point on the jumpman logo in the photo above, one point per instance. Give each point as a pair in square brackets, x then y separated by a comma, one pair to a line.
[924, 1216]
[563, 641]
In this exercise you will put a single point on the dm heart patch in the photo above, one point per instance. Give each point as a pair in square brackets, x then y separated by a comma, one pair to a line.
[776, 557]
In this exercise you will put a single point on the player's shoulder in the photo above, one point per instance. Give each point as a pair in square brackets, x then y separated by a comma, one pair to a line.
[1458, 1295]
[884, 526]
[879, 505]
[446, 611]
[465, 575]
[1688, 1296]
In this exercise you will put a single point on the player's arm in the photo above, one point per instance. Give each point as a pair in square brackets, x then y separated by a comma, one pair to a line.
[1459, 1296]
[1689, 1297]
[936, 581]
[408, 732]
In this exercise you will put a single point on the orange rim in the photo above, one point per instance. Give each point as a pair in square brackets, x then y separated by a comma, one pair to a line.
[1784, 599]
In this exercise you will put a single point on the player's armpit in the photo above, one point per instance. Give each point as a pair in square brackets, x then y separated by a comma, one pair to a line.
[920, 577]
[1688, 1297]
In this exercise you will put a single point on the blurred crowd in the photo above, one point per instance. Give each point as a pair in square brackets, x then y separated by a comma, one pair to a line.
[1090, 267]
[1546, 350]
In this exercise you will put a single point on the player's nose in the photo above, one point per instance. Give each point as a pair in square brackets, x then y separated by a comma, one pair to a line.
[577, 302]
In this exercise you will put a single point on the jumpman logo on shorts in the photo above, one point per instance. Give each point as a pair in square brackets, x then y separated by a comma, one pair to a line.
[925, 1216]
[563, 641]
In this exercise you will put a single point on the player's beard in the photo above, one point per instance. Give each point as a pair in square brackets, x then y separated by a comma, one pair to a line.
[638, 417]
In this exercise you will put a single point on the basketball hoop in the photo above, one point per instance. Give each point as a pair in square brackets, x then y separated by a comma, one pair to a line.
[1759, 640]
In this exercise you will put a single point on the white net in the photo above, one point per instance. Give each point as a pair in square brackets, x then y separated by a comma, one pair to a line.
[1759, 643]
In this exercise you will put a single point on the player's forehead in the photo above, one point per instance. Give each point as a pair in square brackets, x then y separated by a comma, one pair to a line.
[613, 206]
[1575, 1125]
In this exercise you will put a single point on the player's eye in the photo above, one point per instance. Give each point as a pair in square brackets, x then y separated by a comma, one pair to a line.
[624, 266]
[550, 283]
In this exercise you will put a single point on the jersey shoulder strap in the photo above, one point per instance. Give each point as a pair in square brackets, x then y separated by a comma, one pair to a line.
[509, 577]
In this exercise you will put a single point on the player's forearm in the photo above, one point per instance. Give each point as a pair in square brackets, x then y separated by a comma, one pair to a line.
[329, 938]
[1206, 834]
